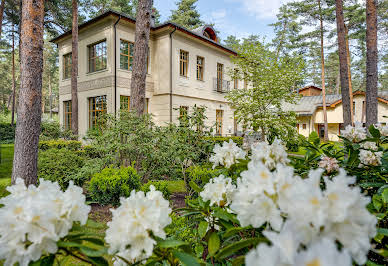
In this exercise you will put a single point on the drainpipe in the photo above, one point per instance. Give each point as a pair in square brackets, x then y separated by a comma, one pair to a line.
[115, 60]
[171, 33]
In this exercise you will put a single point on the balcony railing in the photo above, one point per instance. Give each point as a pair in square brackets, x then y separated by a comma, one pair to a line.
[221, 85]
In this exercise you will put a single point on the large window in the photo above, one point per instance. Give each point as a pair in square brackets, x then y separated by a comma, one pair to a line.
[200, 67]
[126, 54]
[183, 63]
[67, 115]
[97, 56]
[125, 103]
[219, 117]
[67, 65]
[97, 107]
[220, 75]
[235, 80]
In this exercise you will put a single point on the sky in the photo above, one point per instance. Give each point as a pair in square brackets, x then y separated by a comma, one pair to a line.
[232, 17]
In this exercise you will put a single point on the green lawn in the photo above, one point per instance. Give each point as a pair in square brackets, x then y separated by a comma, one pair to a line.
[6, 160]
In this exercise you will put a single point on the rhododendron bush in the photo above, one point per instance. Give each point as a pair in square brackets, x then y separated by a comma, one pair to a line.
[328, 207]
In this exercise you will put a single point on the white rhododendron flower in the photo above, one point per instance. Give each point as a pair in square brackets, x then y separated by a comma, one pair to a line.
[269, 155]
[383, 129]
[354, 134]
[370, 158]
[264, 255]
[219, 191]
[33, 219]
[329, 164]
[369, 146]
[227, 154]
[128, 233]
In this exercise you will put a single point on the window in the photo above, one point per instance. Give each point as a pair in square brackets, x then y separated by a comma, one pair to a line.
[67, 59]
[245, 84]
[183, 111]
[220, 74]
[235, 81]
[125, 104]
[200, 67]
[304, 126]
[67, 115]
[97, 56]
[183, 63]
[235, 124]
[97, 107]
[126, 54]
[219, 116]
[354, 108]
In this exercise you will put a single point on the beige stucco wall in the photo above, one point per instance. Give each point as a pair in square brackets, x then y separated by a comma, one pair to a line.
[186, 91]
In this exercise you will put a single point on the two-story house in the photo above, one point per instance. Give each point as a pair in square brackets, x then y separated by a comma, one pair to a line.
[185, 68]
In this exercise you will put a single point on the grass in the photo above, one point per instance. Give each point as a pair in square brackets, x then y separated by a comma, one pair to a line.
[6, 160]
[177, 186]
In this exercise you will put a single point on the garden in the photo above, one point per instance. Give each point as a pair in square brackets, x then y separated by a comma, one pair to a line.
[133, 193]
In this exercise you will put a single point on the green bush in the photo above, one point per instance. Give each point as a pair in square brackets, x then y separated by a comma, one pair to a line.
[7, 133]
[72, 145]
[59, 165]
[160, 185]
[50, 130]
[200, 175]
[86, 172]
[111, 183]
[220, 140]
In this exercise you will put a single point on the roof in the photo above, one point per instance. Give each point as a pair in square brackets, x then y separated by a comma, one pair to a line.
[310, 87]
[133, 20]
[307, 105]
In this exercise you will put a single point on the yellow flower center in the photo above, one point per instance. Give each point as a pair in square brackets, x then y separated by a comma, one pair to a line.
[285, 186]
[333, 196]
[314, 262]
[35, 219]
[314, 201]
[264, 175]
[18, 210]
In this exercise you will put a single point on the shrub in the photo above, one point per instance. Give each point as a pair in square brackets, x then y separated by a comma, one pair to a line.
[217, 139]
[160, 185]
[200, 175]
[111, 183]
[59, 165]
[50, 130]
[7, 133]
[72, 145]
[86, 172]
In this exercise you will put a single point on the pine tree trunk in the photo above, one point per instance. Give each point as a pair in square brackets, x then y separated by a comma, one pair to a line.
[343, 64]
[1, 14]
[326, 128]
[74, 70]
[337, 83]
[13, 77]
[50, 95]
[371, 62]
[349, 72]
[29, 111]
[139, 72]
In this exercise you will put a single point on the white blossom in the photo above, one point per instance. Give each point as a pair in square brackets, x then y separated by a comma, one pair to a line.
[368, 145]
[219, 191]
[329, 164]
[33, 219]
[354, 134]
[264, 255]
[128, 233]
[383, 129]
[227, 154]
[269, 155]
[370, 158]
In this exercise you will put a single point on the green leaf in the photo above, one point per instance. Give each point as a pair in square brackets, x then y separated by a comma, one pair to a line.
[185, 259]
[384, 196]
[383, 231]
[371, 184]
[233, 248]
[213, 243]
[93, 240]
[376, 200]
[100, 261]
[374, 132]
[171, 243]
[195, 187]
[91, 252]
[202, 228]
[232, 231]
[92, 224]
[371, 263]
[69, 244]
[45, 261]
[238, 261]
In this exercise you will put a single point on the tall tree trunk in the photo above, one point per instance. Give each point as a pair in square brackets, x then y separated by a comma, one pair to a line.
[326, 128]
[29, 111]
[371, 62]
[13, 76]
[349, 72]
[50, 95]
[139, 72]
[1, 14]
[74, 70]
[347, 117]
[337, 83]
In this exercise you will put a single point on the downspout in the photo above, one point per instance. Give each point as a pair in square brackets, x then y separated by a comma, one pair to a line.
[115, 60]
[171, 33]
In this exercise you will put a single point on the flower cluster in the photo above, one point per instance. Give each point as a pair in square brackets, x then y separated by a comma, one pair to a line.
[128, 233]
[269, 155]
[329, 164]
[370, 158]
[227, 154]
[219, 191]
[280, 198]
[354, 134]
[383, 129]
[34, 218]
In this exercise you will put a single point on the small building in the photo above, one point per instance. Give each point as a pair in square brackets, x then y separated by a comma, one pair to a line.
[310, 111]
[186, 68]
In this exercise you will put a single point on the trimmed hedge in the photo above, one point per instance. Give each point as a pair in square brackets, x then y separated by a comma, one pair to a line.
[7, 133]
[111, 183]
[72, 145]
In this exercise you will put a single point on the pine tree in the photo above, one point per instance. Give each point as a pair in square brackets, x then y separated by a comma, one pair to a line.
[186, 14]
[231, 42]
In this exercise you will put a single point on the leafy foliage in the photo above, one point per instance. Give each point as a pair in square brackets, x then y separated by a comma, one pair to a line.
[159, 185]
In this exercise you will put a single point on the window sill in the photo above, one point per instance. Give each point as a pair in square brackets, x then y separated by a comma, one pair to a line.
[130, 71]
[183, 77]
[96, 72]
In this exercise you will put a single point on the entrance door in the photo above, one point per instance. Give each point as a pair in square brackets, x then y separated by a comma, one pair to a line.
[321, 130]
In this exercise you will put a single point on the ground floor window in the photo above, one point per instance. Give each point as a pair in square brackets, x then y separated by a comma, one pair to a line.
[304, 126]
[125, 103]
[219, 117]
[97, 108]
[67, 115]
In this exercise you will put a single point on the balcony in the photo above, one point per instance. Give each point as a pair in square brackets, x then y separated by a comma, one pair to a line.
[221, 85]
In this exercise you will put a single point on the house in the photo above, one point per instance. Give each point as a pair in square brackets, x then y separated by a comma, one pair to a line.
[185, 68]
[309, 109]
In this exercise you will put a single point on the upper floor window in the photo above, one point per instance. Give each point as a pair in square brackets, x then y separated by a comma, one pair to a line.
[235, 80]
[200, 67]
[183, 63]
[67, 59]
[97, 107]
[126, 54]
[97, 56]
[220, 74]
[67, 115]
